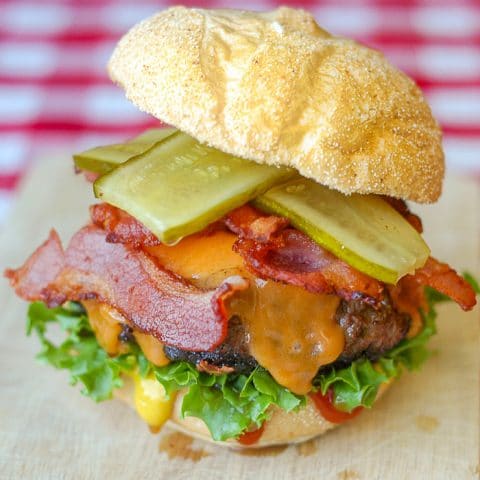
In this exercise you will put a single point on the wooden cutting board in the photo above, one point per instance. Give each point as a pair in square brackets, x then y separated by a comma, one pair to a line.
[425, 427]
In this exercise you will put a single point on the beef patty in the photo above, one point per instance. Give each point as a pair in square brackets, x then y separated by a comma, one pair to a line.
[369, 331]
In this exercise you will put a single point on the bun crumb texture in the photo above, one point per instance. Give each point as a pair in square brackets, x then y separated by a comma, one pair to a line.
[276, 88]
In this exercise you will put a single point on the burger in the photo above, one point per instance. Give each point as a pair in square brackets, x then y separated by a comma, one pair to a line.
[252, 274]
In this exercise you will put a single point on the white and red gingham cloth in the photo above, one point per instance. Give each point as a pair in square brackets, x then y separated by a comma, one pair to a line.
[55, 95]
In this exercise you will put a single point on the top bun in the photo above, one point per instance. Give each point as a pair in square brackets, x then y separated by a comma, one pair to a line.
[276, 88]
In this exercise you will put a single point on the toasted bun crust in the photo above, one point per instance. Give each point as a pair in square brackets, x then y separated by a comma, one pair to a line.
[278, 89]
[281, 429]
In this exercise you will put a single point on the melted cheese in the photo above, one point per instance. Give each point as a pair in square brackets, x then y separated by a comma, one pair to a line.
[290, 331]
[106, 322]
[152, 348]
[151, 402]
[204, 260]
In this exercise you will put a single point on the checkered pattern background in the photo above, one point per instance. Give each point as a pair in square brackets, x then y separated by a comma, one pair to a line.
[55, 95]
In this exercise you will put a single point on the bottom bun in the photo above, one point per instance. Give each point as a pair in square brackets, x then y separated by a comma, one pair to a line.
[282, 428]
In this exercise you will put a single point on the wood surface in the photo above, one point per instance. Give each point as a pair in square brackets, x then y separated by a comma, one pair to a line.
[425, 427]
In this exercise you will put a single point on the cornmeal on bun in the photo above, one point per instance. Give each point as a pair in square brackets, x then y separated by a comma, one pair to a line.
[278, 89]
[252, 274]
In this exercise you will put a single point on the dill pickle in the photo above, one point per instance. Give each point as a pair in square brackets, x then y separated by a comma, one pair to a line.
[180, 186]
[363, 230]
[103, 159]
[153, 135]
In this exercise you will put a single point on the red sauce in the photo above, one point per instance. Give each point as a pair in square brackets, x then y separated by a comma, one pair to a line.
[325, 406]
[249, 438]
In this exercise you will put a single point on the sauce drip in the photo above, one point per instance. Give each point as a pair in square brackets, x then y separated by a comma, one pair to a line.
[151, 401]
[252, 437]
[292, 332]
[329, 412]
[106, 324]
[152, 349]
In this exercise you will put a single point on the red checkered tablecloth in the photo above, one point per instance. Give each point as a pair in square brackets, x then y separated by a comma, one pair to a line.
[55, 95]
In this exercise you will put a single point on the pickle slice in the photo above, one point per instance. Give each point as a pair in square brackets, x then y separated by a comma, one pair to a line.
[362, 230]
[103, 159]
[179, 186]
[153, 135]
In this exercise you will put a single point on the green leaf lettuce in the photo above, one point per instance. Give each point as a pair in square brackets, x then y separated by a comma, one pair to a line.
[227, 403]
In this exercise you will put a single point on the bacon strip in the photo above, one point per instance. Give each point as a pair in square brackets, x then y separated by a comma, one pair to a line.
[152, 299]
[248, 222]
[408, 296]
[39, 270]
[446, 280]
[293, 258]
[271, 250]
[290, 256]
[121, 227]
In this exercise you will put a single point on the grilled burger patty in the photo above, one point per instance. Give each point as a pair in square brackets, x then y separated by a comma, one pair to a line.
[369, 331]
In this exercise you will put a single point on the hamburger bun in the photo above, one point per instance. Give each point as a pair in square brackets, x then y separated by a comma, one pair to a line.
[276, 88]
[282, 428]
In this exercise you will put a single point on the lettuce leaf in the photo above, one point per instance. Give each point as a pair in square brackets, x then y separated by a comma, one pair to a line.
[80, 352]
[472, 281]
[357, 385]
[227, 403]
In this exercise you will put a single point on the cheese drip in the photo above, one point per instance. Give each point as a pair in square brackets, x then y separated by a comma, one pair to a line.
[291, 332]
[151, 402]
[107, 322]
[151, 348]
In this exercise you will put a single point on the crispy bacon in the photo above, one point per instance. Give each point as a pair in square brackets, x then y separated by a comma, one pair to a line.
[446, 280]
[154, 300]
[39, 270]
[408, 296]
[121, 227]
[124, 276]
[271, 250]
[249, 222]
[293, 258]
[205, 366]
